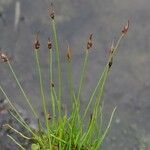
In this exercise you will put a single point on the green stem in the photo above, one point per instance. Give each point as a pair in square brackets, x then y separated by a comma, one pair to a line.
[94, 92]
[42, 93]
[106, 130]
[82, 75]
[99, 97]
[80, 84]
[70, 81]
[70, 86]
[118, 42]
[58, 102]
[58, 60]
[90, 128]
[51, 80]
[106, 73]
[77, 112]
[41, 85]
[23, 92]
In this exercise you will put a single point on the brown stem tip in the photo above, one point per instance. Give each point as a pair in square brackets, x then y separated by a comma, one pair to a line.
[110, 62]
[52, 84]
[112, 49]
[4, 57]
[51, 11]
[36, 43]
[69, 53]
[49, 117]
[126, 28]
[90, 42]
[49, 44]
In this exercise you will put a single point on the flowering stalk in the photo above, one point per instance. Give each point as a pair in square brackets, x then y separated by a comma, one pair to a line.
[52, 16]
[36, 50]
[49, 46]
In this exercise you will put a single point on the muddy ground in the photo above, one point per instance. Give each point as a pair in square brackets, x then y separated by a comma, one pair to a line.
[128, 86]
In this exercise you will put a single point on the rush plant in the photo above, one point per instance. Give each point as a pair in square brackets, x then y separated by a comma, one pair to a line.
[60, 130]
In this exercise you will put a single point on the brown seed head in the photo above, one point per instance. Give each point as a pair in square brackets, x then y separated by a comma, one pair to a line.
[91, 117]
[36, 42]
[110, 62]
[126, 28]
[4, 57]
[52, 84]
[69, 53]
[112, 49]
[90, 42]
[49, 44]
[49, 116]
[51, 12]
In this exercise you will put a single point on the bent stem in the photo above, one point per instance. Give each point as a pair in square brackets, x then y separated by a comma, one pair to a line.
[24, 124]
[20, 119]
[25, 137]
[16, 142]
[106, 130]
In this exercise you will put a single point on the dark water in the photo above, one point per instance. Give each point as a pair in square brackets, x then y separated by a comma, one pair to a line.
[129, 83]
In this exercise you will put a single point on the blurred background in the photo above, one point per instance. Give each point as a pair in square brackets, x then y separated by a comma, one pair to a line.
[128, 86]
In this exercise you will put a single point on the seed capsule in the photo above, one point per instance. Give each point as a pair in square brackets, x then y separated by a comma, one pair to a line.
[49, 44]
[126, 28]
[49, 116]
[69, 53]
[4, 57]
[90, 42]
[52, 84]
[52, 12]
[112, 48]
[36, 43]
[110, 62]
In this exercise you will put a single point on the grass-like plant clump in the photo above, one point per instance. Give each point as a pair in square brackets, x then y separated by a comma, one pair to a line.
[60, 130]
